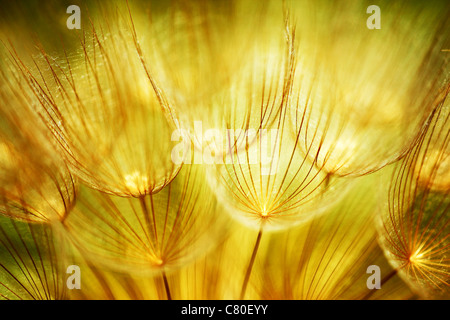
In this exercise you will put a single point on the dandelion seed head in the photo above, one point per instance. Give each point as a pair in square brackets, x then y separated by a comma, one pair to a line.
[416, 230]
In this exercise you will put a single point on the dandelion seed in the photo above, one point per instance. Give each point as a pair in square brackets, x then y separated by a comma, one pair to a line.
[149, 234]
[357, 112]
[415, 229]
[35, 183]
[107, 127]
[284, 191]
[223, 71]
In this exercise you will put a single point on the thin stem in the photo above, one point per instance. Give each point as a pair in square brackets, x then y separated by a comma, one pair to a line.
[166, 286]
[150, 225]
[383, 281]
[250, 265]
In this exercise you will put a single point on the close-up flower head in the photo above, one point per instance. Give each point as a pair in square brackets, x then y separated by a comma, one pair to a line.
[224, 150]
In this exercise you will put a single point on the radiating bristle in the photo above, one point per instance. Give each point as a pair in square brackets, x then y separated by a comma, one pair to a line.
[31, 266]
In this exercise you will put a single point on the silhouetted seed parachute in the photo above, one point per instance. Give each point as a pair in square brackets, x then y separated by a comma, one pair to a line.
[107, 112]
[224, 66]
[327, 258]
[360, 97]
[263, 179]
[35, 183]
[415, 228]
[156, 233]
[267, 183]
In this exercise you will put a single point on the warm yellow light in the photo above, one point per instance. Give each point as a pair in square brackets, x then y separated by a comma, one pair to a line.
[158, 261]
[264, 212]
[136, 182]
[416, 257]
